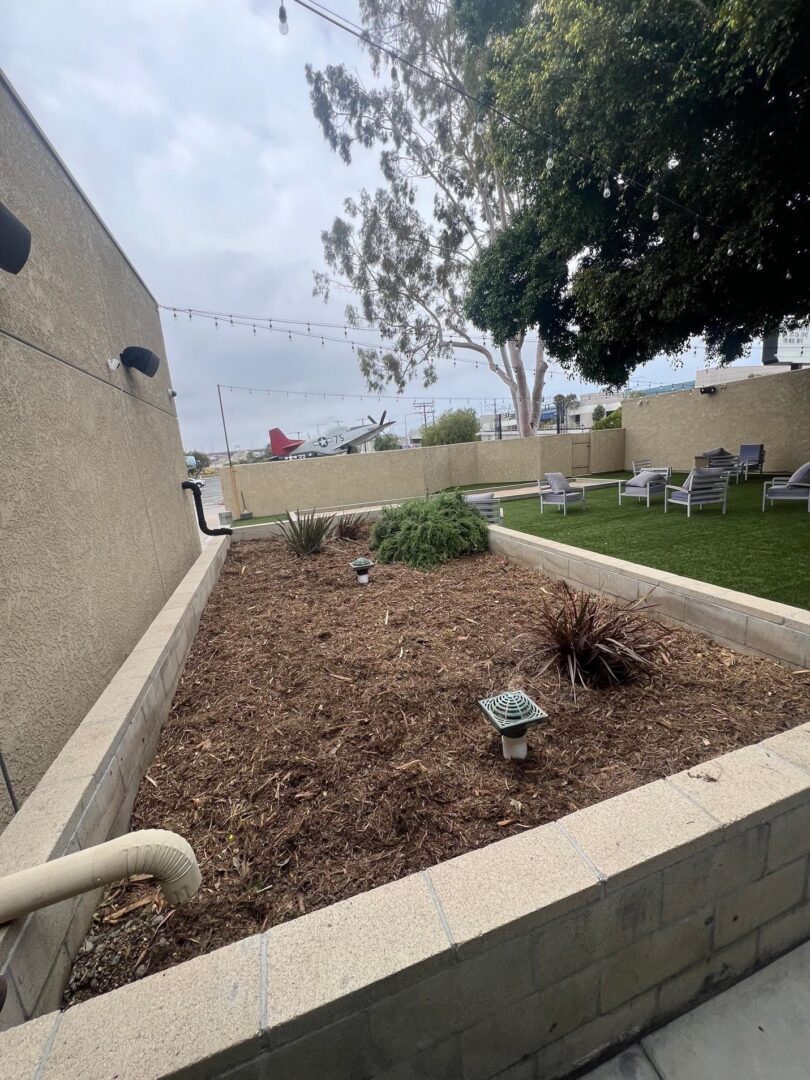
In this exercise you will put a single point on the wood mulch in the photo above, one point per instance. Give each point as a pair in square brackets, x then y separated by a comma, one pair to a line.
[325, 739]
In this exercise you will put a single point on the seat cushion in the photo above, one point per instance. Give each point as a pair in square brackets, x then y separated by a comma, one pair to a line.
[647, 476]
[802, 475]
[557, 482]
[798, 493]
[679, 496]
[718, 451]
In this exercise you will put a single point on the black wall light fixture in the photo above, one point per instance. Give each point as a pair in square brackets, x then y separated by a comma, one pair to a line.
[708, 389]
[15, 242]
[138, 358]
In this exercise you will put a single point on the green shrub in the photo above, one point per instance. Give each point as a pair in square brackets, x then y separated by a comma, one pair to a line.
[305, 533]
[426, 532]
[612, 420]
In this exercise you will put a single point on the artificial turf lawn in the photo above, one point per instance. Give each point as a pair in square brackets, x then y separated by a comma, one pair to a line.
[763, 554]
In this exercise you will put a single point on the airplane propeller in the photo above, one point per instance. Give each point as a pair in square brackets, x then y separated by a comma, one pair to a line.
[381, 421]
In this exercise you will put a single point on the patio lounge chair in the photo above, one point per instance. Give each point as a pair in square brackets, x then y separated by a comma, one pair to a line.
[644, 485]
[645, 464]
[719, 458]
[752, 458]
[556, 491]
[487, 505]
[795, 488]
[702, 487]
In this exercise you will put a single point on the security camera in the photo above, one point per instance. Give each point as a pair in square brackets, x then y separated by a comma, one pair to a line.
[15, 242]
[138, 358]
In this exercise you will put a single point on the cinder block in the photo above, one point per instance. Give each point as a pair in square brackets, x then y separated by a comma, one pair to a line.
[671, 605]
[745, 787]
[632, 835]
[511, 1035]
[22, 1047]
[339, 1052]
[50, 998]
[505, 889]
[715, 620]
[195, 1019]
[717, 870]
[621, 586]
[703, 979]
[555, 565]
[754, 905]
[597, 1037]
[783, 933]
[45, 824]
[489, 981]
[597, 930]
[331, 963]
[442, 1061]
[649, 961]
[413, 1019]
[81, 920]
[793, 745]
[789, 837]
[94, 825]
[784, 642]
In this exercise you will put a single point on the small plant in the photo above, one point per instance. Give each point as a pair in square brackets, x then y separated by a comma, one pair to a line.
[305, 533]
[349, 526]
[595, 642]
[426, 532]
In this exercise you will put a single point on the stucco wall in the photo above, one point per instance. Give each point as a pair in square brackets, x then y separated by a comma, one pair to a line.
[673, 428]
[351, 479]
[96, 531]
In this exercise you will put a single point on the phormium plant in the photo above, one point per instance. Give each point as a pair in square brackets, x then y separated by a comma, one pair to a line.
[595, 642]
[349, 526]
[305, 533]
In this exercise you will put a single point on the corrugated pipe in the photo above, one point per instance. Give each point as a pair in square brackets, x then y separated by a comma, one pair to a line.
[189, 485]
[165, 855]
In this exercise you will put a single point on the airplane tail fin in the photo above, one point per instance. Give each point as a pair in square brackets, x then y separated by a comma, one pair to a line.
[280, 445]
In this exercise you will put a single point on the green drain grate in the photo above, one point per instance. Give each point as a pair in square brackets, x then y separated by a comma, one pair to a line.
[512, 712]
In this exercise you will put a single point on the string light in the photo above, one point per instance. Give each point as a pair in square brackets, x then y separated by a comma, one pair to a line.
[479, 127]
[606, 190]
[283, 25]
[550, 160]
[788, 276]
[730, 251]
[759, 265]
[655, 214]
[696, 232]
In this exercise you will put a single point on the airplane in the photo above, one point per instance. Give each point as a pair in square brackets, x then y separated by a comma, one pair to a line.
[338, 440]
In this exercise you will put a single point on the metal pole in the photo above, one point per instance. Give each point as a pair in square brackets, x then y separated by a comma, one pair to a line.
[228, 451]
[9, 786]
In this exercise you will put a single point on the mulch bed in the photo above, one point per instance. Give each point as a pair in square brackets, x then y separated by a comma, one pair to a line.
[325, 739]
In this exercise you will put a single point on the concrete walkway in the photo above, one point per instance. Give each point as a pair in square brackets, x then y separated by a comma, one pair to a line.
[757, 1030]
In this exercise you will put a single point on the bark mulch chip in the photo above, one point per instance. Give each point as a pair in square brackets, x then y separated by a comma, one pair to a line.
[325, 738]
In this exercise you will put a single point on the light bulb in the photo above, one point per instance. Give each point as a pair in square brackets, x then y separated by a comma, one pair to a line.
[788, 276]
[394, 74]
[655, 214]
[549, 160]
[730, 251]
[759, 265]
[696, 233]
[606, 191]
[283, 25]
[479, 127]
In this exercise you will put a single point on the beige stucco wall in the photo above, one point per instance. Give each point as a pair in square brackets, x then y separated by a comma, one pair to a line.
[673, 428]
[95, 529]
[350, 479]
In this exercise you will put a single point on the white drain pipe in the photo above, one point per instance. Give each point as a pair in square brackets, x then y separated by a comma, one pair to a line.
[163, 854]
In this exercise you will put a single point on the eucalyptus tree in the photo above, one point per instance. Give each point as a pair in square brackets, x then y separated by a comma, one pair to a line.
[405, 250]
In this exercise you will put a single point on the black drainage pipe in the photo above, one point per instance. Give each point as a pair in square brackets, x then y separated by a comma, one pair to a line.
[189, 485]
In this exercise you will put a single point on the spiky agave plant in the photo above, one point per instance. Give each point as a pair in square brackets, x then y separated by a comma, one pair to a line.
[595, 642]
[349, 526]
[305, 533]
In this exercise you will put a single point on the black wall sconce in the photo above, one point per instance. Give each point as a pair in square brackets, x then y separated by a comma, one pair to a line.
[708, 389]
[138, 358]
[15, 242]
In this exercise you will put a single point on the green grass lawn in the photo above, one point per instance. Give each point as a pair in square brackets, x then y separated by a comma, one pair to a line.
[764, 554]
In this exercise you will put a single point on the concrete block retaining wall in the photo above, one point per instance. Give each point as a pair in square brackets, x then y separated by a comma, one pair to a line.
[524, 959]
[87, 794]
[737, 620]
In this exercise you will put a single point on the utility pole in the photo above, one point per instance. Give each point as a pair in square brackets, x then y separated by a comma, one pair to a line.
[228, 451]
[424, 407]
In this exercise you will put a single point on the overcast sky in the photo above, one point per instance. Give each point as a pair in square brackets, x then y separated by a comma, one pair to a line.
[188, 124]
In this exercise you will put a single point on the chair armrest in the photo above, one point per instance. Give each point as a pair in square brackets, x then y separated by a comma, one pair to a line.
[672, 487]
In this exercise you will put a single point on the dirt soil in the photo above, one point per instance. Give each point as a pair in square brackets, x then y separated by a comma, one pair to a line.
[325, 739]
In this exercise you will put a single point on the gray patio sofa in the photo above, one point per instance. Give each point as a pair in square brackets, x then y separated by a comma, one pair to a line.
[702, 487]
[720, 458]
[795, 488]
[556, 491]
[487, 505]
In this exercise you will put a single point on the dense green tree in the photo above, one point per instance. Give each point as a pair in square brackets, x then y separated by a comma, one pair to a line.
[386, 441]
[663, 153]
[454, 426]
[598, 413]
[404, 251]
[612, 420]
[203, 460]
